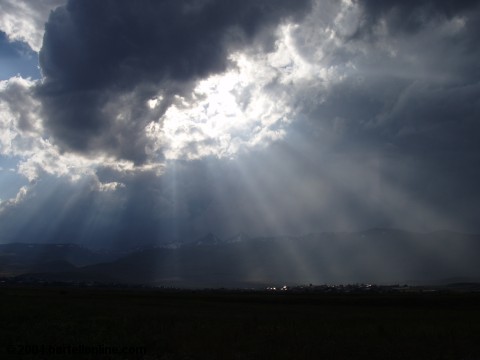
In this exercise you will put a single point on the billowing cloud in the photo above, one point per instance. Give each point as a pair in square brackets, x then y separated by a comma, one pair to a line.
[23, 136]
[24, 20]
[20, 121]
[102, 62]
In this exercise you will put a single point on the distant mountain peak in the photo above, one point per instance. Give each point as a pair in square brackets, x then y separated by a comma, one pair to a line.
[209, 239]
[240, 237]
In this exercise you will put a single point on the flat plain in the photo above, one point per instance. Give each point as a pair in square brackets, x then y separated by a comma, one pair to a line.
[83, 323]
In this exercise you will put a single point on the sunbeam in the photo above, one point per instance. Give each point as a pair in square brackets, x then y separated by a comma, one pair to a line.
[323, 129]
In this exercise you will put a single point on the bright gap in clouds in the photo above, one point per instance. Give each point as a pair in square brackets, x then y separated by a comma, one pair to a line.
[249, 106]
[223, 114]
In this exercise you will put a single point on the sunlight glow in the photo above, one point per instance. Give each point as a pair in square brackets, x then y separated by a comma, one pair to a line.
[223, 114]
[248, 106]
[153, 103]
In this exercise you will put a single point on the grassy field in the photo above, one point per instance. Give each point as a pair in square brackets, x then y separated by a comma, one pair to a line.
[70, 323]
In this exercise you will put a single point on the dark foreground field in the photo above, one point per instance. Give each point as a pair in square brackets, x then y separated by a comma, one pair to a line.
[70, 323]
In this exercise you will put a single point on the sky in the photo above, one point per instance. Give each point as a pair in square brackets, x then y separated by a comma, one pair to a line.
[125, 123]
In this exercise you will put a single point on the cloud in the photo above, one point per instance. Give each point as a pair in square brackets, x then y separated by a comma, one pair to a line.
[11, 203]
[376, 78]
[102, 62]
[19, 121]
[24, 137]
[198, 116]
[401, 94]
[24, 20]
[236, 110]
[412, 16]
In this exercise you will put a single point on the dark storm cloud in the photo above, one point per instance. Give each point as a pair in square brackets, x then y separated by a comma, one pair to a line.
[412, 88]
[96, 51]
[407, 110]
